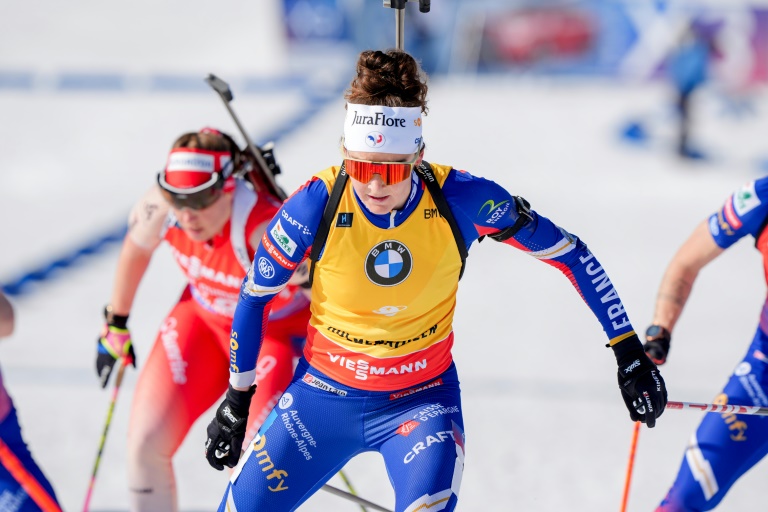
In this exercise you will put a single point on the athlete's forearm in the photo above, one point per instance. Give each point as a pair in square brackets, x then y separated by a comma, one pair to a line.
[131, 266]
[675, 288]
[677, 283]
[248, 327]
[592, 282]
[280, 250]
[551, 244]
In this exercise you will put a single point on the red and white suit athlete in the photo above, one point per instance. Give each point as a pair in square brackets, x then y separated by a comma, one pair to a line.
[187, 369]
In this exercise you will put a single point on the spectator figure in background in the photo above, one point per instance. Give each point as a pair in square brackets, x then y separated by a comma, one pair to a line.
[725, 446]
[377, 372]
[214, 219]
[688, 71]
[23, 486]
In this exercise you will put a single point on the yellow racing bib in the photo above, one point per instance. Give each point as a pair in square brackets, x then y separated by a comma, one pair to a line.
[383, 299]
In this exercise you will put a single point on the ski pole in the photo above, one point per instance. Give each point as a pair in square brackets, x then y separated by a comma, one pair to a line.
[351, 497]
[348, 483]
[399, 7]
[102, 442]
[630, 466]
[225, 93]
[724, 409]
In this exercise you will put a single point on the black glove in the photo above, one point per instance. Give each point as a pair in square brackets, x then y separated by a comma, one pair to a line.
[114, 342]
[657, 343]
[641, 384]
[226, 432]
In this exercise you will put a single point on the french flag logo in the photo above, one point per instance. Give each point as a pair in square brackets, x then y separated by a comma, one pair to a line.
[375, 139]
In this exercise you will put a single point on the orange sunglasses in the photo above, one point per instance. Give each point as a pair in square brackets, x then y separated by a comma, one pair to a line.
[390, 172]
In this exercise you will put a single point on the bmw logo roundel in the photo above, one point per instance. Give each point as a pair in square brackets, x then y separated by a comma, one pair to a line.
[388, 263]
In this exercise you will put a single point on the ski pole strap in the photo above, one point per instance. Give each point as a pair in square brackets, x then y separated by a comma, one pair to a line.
[325, 223]
[436, 191]
[753, 410]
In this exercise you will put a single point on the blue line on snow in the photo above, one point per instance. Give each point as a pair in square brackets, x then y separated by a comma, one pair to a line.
[21, 284]
[74, 81]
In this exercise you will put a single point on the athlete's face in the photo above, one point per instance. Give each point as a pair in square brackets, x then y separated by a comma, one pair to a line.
[378, 197]
[202, 225]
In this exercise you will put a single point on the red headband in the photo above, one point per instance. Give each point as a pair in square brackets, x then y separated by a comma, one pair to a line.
[191, 167]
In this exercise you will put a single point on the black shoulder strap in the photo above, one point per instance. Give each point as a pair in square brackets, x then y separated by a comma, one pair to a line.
[325, 223]
[436, 191]
[333, 203]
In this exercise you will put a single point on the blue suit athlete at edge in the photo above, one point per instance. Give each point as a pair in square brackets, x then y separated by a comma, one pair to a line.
[725, 446]
[377, 372]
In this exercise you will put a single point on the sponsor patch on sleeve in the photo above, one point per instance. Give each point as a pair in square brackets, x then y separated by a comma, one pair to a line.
[282, 239]
[276, 254]
[714, 228]
[745, 199]
[731, 218]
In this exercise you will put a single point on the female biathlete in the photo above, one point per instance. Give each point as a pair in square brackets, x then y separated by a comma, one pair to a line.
[725, 446]
[213, 220]
[377, 372]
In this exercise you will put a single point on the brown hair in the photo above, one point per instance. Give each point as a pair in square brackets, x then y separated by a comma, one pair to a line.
[205, 139]
[390, 78]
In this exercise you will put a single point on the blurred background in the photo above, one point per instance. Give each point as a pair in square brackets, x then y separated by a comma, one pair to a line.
[626, 122]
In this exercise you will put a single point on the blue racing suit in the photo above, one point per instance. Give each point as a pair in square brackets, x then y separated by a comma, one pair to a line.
[377, 374]
[725, 446]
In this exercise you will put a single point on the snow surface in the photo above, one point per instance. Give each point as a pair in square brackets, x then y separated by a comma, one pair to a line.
[546, 428]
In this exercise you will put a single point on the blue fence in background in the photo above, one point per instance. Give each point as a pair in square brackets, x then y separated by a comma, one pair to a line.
[72, 81]
[607, 38]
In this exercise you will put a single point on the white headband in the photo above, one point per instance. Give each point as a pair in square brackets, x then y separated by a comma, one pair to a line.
[379, 129]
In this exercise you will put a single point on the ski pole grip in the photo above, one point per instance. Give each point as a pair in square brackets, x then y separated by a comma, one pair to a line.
[220, 86]
[395, 4]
